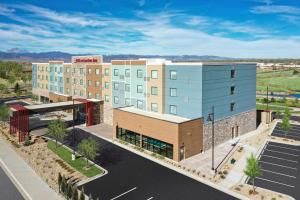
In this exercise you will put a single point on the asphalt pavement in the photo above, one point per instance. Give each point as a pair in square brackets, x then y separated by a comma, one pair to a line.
[133, 177]
[8, 191]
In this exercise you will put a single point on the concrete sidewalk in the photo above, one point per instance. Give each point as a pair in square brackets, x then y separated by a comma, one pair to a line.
[30, 185]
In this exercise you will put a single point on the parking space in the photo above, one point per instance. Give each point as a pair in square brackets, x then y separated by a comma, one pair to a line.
[280, 169]
[293, 133]
[8, 191]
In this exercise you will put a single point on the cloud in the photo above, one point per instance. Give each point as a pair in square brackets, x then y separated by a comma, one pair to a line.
[141, 3]
[275, 9]
[292, 19]
[149, 33]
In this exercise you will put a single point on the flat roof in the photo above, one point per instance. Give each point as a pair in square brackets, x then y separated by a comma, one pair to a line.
[165, 117]
[50, 105]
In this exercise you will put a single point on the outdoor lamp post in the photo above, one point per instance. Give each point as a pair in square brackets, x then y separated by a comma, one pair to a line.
[73, 135]
[211, 118]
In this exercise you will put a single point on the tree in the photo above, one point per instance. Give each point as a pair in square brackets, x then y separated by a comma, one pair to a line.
[253, 169]
[57, 129]
[17, 89]
[4, 112]
[59, 180]
[285, 125]
[3, 88]
[11, 79]
[69, 192]
[88, 149]
[287, 112]
[82, 197]
[75, 193]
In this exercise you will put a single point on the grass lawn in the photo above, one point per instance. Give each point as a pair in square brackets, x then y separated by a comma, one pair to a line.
[264, 107]
[77, 164]
[278, 81]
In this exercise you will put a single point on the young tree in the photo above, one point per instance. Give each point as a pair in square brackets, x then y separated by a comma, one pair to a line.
[17, 89]
[82, 197]
[285, 125]
[11, 79]
[59, 180]
[88, 149]
[3, 88]
[57, 129]
[75, 193]
[4, 112]
[253, 169]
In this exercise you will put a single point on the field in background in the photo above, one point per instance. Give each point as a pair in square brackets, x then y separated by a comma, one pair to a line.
[287, 81]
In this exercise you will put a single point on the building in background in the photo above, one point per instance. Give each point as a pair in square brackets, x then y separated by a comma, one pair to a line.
[159, 105]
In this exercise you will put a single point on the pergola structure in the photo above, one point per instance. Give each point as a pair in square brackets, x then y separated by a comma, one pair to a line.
[19, 121]
[19, 115]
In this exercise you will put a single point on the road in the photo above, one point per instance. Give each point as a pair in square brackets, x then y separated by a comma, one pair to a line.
[8, 191]
[131, 177]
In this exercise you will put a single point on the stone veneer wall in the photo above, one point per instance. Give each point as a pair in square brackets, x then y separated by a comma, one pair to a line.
[98, 112]
[246, 122]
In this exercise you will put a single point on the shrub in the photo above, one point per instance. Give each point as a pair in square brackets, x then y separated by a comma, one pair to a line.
[27, 141]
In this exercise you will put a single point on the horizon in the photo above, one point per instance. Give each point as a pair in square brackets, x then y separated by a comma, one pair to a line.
[258, 29]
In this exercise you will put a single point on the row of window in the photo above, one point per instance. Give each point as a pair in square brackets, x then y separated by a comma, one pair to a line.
[139, 73]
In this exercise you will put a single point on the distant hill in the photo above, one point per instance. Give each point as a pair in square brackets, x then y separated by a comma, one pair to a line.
[19, 55]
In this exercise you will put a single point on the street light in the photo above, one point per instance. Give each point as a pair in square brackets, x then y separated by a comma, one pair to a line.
[211, 118]
[73, 154]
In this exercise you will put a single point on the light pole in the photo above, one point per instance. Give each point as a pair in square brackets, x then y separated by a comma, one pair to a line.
[73, 130]
[211, 118]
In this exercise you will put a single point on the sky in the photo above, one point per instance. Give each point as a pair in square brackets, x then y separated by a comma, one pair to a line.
[230, 28]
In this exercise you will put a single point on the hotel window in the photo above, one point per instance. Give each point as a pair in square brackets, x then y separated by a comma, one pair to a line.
[139, 73]
[42, 77]
[97, 96]
[60, 79]
[68, 69]
[116, 72]
[154, 91]
[127, 72]
[46, 77]
[106, 98]
[173, 92]
[60, 70]
[127, 87]
[81, 81]
[97, 71]
[74, 81]
[154, 107]
[61, 89]
[127, 102]
[139, 89]
[68, 80]
[55, 69]
[173, 109]
[81, 93]
[232, 90]
[116, 100]
[89, 82]
[116, 86]
[68, 91]
[81, 70]
[106, 72]
[55, 78]
[89, 95]
[89, 71]
[74, 70]
[232, 106]
[232, 73]
[97, 83]
[139, 104]
[173, 75]
[154, 74]
[106, 85]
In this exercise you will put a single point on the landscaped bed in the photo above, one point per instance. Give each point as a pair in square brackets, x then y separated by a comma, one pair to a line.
[78, 164]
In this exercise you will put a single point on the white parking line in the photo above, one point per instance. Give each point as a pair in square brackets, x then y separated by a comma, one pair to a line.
[284, 134]
[281, 135]
[284, 147]
[150, 198]
[124, 193]
[278, 165]
[282, 152]
[275, 182]
[280, 158]
[278, 173]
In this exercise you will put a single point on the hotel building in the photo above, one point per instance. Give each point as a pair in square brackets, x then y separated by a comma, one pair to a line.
[160, 105]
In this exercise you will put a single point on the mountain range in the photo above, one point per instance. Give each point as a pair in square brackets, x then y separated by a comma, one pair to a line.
[16, 54]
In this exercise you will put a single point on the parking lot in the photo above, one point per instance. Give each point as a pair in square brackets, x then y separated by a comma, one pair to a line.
[132, 177]
[293, 133]
[280, 169]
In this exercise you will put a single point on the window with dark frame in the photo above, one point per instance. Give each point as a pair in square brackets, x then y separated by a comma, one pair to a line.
[232, 106]
[232, 90]
[232, 73]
